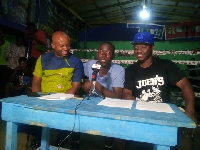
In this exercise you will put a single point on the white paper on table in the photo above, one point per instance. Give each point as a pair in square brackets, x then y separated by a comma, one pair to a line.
[111, 102]
[57, 96]
[153, 106]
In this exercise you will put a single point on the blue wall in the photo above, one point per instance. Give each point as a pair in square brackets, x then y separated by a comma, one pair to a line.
[120, 32]
[115, 32]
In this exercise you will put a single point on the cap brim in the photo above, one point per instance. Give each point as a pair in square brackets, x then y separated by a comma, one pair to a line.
[145, 43]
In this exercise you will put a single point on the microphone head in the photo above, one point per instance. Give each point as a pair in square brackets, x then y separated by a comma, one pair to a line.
[96, 66]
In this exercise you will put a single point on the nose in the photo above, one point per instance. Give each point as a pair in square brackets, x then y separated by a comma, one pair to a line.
[66, 47]
[103, 54]
[138, 49]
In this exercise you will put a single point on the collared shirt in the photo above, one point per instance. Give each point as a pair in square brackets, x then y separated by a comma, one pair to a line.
[58, 73]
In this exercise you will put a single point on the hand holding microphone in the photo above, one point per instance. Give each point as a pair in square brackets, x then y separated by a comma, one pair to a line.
[95, 67]
[93, 92]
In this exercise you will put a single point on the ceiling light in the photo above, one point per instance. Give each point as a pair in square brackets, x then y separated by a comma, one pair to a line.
[144, 14]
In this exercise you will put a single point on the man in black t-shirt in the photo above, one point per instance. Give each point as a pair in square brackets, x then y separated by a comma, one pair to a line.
[153, 83]
[150, 78]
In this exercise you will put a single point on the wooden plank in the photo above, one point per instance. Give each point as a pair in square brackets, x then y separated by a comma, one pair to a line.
[45, 138]
[128, 130]
[11, 136]
[157, 127]
[90, 108]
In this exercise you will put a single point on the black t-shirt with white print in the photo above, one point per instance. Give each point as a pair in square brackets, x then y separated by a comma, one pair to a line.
[152, 83]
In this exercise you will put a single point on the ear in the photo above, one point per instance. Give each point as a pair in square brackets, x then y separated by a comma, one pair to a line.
[52, 45]
[153, 47]
[97, 53]
[113, 56]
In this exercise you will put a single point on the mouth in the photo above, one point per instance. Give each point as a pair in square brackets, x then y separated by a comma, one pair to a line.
[139, 55]
[64, 53]
[103, 60]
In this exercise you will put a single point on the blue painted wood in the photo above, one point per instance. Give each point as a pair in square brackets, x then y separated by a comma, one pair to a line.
[11, 136]
[161, 147]
[45, 138]
[90, 107]
[151, 133]
[130, 124]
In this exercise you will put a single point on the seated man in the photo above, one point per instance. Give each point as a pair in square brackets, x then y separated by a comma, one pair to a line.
[110, 78]
[20, 79]
[58, 71]
[150, 79]
[20, 84]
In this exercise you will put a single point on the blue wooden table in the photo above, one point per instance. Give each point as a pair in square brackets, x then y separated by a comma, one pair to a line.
[131, 124]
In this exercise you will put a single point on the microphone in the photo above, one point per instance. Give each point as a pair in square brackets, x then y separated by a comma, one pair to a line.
[95, 67]
[93, 92]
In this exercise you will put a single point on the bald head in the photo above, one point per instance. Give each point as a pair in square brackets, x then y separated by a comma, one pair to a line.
[60, 43]
[59, 34]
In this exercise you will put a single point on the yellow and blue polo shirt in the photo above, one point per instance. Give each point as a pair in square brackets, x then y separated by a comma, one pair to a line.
[58, 73]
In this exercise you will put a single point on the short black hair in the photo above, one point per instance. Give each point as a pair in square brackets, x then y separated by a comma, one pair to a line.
[22, 59]
[109, 43]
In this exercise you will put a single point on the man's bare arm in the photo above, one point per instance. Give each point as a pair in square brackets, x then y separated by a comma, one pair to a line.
[36, 84]
[188, 95]
[127, 94]
[75, 88]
